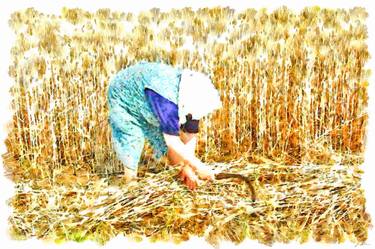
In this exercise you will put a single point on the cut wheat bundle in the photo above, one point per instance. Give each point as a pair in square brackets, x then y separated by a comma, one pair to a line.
[299, 202]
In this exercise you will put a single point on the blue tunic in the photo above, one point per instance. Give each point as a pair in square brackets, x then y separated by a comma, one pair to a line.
[167, 114]
[165, 110]
[131, 117]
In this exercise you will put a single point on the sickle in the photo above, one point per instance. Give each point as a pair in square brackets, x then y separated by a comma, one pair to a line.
[220, 176]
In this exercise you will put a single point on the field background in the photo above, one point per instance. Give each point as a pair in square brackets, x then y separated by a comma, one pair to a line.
[293, 85]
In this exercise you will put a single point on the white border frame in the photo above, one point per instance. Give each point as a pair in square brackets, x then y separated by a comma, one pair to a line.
[54, 7]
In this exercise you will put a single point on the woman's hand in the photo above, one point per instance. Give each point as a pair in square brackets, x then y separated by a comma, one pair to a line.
[178, 152]
[203, 171]
[188, 177]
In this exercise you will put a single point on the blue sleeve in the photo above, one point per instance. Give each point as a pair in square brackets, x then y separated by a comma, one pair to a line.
[165, 110]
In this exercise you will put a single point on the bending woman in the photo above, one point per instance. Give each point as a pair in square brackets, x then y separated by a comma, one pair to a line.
[162, 104]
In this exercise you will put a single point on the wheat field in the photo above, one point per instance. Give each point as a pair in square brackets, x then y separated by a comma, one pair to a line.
[294, 119]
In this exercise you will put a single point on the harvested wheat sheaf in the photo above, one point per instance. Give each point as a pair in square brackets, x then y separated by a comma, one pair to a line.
[294, 118]
[293, 202]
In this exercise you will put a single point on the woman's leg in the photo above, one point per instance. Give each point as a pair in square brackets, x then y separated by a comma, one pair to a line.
[128, 140]
[128, 146]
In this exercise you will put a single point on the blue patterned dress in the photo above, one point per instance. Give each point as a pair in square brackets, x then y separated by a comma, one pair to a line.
[131, 118]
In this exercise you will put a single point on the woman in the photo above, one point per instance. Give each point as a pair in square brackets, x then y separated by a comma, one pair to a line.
[162, 104]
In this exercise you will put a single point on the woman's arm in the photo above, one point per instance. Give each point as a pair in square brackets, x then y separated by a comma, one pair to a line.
[190, 140]
[185, 153]
[180, 151]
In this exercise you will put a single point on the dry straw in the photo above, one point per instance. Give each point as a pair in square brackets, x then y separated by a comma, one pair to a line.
[294, 202]
[294, 91]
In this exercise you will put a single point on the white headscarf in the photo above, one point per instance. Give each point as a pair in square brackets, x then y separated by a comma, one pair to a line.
[197, 96]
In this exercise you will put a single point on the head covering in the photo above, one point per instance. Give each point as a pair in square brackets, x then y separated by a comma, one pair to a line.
[197, 95]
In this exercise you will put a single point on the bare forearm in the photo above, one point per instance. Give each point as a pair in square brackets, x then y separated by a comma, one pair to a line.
[182, 151]
[191, 144]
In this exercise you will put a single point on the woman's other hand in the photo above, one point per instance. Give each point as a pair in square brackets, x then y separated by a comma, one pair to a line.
[178, 152]
[203, 171]
[188, 177]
